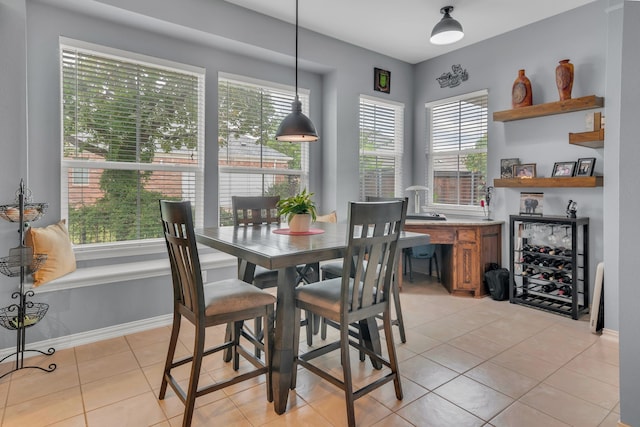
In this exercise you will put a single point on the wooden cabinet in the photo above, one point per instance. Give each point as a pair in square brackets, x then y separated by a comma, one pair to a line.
[467, 248]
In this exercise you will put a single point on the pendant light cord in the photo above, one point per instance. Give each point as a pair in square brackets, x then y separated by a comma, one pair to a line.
[296, 49]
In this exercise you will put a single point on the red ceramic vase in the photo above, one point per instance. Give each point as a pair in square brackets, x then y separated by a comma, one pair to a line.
[564, 79]
[521, 92]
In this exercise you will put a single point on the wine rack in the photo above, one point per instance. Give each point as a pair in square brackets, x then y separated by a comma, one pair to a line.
[550, 263]
[20, 262]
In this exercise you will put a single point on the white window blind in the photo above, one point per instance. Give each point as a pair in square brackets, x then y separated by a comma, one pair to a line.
[381, 148]
[133, 133]
[251, 162]
[457, 151]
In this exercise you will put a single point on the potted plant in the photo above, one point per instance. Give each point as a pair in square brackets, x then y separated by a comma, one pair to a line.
[300, 211]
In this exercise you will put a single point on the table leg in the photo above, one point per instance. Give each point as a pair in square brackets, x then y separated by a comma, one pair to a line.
[371, 338]
[282, 359]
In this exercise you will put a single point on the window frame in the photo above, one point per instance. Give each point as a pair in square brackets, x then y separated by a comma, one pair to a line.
[127, 248]
[398, 148]
[304, 96]
[430, 157]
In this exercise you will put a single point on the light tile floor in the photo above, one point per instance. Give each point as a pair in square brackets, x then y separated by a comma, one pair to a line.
[467, 362]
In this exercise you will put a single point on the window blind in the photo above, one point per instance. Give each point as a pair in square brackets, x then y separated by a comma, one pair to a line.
[457, 150]
[133, 133]
[251, 161]
[381, 148]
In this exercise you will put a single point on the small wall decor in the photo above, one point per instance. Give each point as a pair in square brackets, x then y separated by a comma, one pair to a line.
[531, 203]
[563, 168]
[454, 77]
[506, 167]
[524, 171]
[564, 79]
[381, 80]
[585, 166]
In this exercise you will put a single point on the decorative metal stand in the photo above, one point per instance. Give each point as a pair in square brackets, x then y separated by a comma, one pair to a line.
[22, 261]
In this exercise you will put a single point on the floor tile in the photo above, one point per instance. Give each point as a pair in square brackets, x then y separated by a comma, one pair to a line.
[141, 410]
[586, 388]
[474, 397]
[434, 411]
[453, 358]
[33, 386]
[426, 373]
[521, 415]
[525, 364]
[564, 407]
[112, 389]
[45, 410]
[93, 370]
[101, 348]
[475, 344]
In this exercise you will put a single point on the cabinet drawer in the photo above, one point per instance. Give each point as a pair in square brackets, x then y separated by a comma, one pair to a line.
[441, 236]
[466, 235]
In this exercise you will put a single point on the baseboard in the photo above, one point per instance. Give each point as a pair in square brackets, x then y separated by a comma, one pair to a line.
[88, 337]
[621, 424]
[611, 333]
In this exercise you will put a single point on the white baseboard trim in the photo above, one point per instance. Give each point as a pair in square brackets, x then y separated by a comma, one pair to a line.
[611, 333]
[88, 337]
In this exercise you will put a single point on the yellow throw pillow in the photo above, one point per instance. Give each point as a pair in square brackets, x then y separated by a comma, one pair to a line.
[54, 242]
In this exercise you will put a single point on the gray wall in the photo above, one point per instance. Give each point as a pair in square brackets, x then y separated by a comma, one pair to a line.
[493, 64]
[222, 37]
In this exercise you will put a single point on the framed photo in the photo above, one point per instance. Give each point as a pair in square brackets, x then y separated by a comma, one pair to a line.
[381, 80]
[506, 167]
[527, 170]
[531, 203]
[585, 166]
[563, 168]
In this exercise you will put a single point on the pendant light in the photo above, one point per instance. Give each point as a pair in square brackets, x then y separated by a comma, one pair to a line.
[448, 30]
[296, 127]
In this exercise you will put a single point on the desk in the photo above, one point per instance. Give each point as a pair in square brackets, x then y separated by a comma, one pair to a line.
[468, 247]
[260, 246]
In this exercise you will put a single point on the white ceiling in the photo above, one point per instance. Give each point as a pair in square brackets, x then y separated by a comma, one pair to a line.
[401, 28]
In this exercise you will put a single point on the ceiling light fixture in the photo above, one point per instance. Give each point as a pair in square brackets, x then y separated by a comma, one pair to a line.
[296, 127]
[448, 30]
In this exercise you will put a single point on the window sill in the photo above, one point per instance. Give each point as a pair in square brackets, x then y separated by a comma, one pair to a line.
[128, 271]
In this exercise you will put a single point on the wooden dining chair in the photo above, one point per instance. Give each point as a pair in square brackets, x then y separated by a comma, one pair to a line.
[361, 293]
[334, 269]
[226, 301]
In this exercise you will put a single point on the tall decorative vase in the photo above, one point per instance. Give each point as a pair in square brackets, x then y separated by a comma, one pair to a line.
[521, 92]
[564, 79]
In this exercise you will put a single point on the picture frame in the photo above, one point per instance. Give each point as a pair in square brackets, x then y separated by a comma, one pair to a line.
[527, 170]
[563, 169]
[531, 203]
[506, 167]
[381, 80]
[585, 166]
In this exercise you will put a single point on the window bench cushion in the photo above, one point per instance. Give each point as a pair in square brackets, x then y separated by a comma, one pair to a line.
[127, 271]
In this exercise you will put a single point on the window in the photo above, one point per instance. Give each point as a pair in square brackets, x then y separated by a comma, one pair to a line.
[381, 148]
[457, 151]
[251, 162]
[133, 132]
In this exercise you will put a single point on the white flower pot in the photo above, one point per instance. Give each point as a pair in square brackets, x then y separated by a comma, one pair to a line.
[300, 223]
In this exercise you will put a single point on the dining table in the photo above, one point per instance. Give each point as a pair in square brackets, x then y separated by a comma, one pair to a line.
[274, 247]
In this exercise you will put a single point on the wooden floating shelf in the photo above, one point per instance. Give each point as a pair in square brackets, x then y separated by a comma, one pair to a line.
[549, 109]
[593, 139]
[572, 181]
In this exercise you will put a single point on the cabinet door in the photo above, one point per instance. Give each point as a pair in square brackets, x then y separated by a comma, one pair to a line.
[466, 260]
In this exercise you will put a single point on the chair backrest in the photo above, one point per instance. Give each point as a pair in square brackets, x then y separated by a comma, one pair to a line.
[177, 224]
[423, 251]
[374, 229]
[330, 217]
[254, 210]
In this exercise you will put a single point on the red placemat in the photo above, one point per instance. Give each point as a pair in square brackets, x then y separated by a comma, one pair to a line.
[298, 233]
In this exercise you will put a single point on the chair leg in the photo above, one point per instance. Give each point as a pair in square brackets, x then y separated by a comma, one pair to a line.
[175, 332]
[196, 364]
[346, 369]
[268, 350]
[296, 348]
[393, 358]
[257, 330]
[399, 319]
[309, 327]
[235, 337]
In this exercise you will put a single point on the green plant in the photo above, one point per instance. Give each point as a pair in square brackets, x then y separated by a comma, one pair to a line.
[301, 203]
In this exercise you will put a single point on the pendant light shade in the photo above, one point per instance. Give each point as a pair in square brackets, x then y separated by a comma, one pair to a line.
[448, 30]
[296, 127]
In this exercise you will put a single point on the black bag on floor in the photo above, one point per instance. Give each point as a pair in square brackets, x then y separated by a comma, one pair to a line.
[498, 283]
